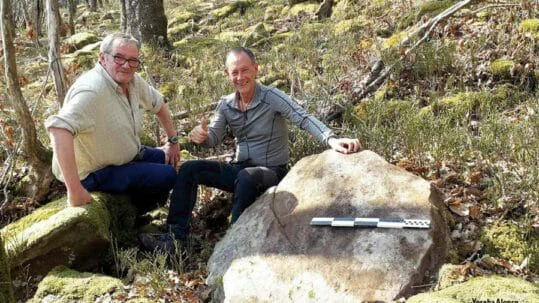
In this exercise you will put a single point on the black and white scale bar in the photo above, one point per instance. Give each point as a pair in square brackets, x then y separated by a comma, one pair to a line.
[370, 222]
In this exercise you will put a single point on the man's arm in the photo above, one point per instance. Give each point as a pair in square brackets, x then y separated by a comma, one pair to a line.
[62, 144]
[172, 151]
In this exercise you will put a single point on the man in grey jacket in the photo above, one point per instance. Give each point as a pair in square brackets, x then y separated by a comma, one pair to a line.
[256, 115]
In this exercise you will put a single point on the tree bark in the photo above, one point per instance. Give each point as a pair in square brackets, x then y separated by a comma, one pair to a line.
[72, 9]
[35, 152]
[55, 63]
[146, 21]
[93, 5]
[123, 18]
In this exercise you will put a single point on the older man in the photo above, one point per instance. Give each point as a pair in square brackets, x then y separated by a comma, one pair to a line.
[95, 136]
[257, 116]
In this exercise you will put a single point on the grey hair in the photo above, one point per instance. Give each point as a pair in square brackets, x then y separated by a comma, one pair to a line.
[108, 41]
[239, 50]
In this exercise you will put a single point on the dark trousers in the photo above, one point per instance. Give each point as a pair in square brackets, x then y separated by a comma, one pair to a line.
[246, 182]
[147, 179]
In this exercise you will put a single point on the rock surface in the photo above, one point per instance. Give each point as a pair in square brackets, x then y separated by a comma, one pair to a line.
[64, 285]
[272, 253]
[56, 234]
[6, 290]
[483, 289]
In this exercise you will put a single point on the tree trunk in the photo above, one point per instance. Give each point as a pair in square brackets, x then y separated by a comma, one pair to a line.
[72, 9]
[35, 152]
[38, 18]
[131, 18]
[123, 18]
[147, 22]
[93, 5]
[55, 63]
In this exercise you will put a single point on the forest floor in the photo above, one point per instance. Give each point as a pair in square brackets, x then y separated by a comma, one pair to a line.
[491, 193]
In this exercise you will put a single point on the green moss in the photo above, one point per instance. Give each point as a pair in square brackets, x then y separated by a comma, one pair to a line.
[41, 214]
[168, 89]
[67, 285]
[181, 17]
[43, 222]
[351, 25]
[395, 40]
[80, 40]
[6, 290]
[181, 30]
[501, 68]
[230, 8]
[512, 242]
[530, 25]
[229, 36]
[255, 34]
[310, 7]
[433, 8]
[483, 288]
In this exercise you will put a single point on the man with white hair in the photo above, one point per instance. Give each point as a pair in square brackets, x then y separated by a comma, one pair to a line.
[95, 135]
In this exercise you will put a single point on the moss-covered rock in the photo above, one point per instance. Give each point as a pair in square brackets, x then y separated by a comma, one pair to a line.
[78, 41]
[182, 17]
[350, 25]
[56, 234]
[273, 12]
[181, 30]
[64, 285]
[310, 7]
[530, 26]
[449, 275]
[512, 242]
[6, 290]
[433, 8]
[501, 68]
[229, 9]
[82, 59]
[510, 289]
[395, 40]
[255, 34]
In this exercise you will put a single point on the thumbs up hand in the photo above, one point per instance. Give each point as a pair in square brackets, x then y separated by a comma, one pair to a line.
[199, 134]
[204, 122]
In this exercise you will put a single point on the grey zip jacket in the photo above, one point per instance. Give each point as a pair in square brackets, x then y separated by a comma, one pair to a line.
[261, 132]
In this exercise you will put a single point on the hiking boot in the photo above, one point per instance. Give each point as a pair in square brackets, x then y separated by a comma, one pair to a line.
[163, 242]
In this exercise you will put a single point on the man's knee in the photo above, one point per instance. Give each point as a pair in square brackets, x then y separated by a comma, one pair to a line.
[170, 176]
[188, 168]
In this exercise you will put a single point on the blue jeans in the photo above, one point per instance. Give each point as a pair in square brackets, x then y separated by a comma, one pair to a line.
[147, 179]
[246, 182]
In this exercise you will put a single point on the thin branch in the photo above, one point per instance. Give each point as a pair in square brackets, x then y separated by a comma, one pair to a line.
[378, 76]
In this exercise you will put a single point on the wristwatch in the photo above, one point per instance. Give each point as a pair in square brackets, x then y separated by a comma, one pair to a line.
[173, 140]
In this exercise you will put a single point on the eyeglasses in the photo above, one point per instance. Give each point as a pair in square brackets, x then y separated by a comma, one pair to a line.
[121, 60]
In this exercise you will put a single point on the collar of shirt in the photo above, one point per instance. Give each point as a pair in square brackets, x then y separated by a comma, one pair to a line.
[254, 102]
[101, 70]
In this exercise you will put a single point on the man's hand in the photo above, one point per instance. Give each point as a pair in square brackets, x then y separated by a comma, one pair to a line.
[199, 134]
[344, 145]
[78, 196]
[172, 154]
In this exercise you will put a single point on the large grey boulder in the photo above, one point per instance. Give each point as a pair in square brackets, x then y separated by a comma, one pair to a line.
[272, 254]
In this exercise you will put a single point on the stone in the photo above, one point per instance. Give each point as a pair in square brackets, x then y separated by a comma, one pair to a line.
[483, 289]
[64, 285]
[80, 40]
[56, 234]
[273, 252]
